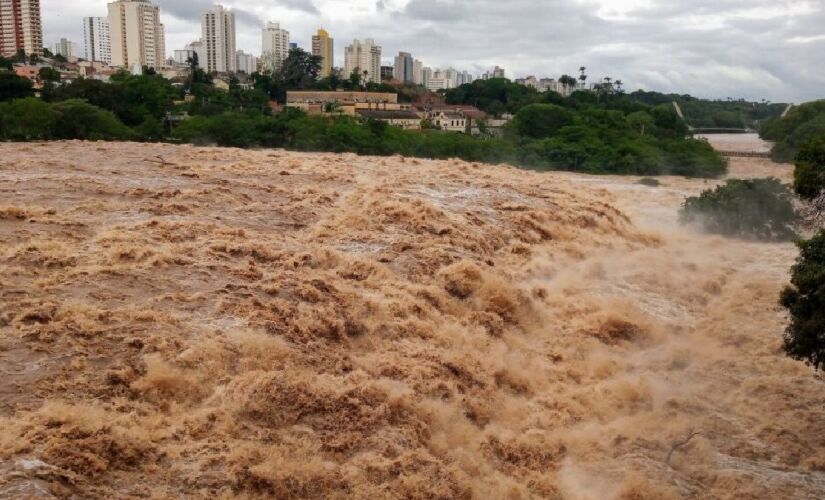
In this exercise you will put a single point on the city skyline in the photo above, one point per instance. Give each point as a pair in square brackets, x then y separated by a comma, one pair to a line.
[739, 51]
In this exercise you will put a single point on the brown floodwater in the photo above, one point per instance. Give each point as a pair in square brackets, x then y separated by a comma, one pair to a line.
[204, 322]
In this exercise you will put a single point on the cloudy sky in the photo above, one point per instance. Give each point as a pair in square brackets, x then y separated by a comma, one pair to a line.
[771, 49]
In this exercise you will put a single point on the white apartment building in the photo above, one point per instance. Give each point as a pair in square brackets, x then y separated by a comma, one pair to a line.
[442, 79]
[426, 76]
[137, 34]
[66, 49]
[246, 63]
[275, 47]
[218, 30]
[418, 72]
[97, 41]
[197, 47]
[363, 56]
[20, 27]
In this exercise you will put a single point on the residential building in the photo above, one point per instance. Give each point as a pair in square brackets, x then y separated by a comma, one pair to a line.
[246, 63]
[418, 72]
[442, 79]
[343, 102]
[218, 30]
[449, 121]
[293, 45]
[497, 72]
[387, 73]
[463, 78]
[66, 49]
[365, 58]
[323, 47]
[403, 69]
[197, 47]
[426, 76]
[20, 27]
[97, 40]
[402, 118]
[137, 35]
[275, 47]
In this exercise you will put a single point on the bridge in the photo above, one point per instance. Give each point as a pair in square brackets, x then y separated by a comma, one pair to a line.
[744, 154]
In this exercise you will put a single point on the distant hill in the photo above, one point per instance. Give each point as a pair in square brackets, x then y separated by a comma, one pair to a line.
[801, 124]
[704, 113]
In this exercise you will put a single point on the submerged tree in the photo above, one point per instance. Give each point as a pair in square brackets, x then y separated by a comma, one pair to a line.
[745, 208]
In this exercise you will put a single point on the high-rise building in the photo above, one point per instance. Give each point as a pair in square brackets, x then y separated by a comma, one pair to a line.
[137, 34]
[96, 39]
[418, 72]
[387, 73]
[65, 48]
[322, 46]
[218, 29]
[363, 57]
[403, 71]
[426, 76]
[20, 27]
[247, 63]
[196, 48]
[275, 47]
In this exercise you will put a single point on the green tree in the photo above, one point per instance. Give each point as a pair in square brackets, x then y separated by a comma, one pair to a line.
[49, 74]
[27, 119]
[538, 121]
[300, 69]
[14, 87]
[6, 64]
[77, 119]
[805, 300]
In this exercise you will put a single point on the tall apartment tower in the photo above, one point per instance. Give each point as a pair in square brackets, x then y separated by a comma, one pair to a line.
[96, 39]
[403, 71]
[322, 46]
[363, 57]
[418, 72]
[275, 47]
[137, 35]
[218, 29]
[65, 48]
[20, 27]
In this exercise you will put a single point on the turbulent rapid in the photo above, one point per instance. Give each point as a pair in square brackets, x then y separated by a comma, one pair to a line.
[203, 322]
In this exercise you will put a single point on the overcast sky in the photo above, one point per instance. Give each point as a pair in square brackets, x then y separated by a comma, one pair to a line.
[771, 49]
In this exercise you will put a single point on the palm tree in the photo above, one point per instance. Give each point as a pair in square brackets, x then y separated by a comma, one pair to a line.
[619, 84]
[365, 79]
[582, 76]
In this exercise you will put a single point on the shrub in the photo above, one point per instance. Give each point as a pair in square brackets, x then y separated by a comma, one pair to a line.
[758, 208]
[805, 300]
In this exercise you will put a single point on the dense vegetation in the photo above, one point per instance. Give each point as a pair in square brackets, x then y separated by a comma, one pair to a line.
[809, 174]
[598, 132]
[602, 132]
[805, 298]
[704, 113]
[752, 209]
[800, 125]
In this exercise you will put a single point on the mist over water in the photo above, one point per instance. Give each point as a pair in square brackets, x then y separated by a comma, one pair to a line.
[259, 324]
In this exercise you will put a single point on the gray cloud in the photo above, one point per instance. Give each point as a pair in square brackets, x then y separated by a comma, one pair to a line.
[710, 48]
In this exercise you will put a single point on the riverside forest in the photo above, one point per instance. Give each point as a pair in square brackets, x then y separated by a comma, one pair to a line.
[606, 131]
